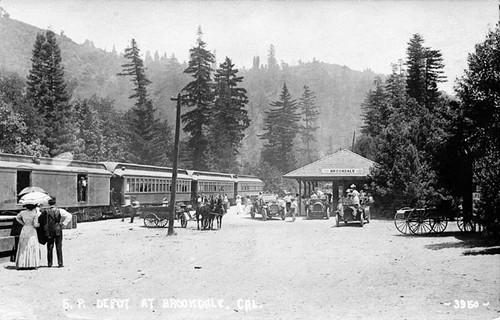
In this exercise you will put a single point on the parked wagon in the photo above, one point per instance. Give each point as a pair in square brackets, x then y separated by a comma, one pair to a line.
[158, 216]
[427, 219]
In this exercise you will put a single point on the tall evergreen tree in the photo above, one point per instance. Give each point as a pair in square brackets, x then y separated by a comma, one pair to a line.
[404, 128]
[46, 91]
[281, 126]
[230, 119]
[272, 62]
[424, 72]
[199, 96]
[142, 119]
[478, 126]
[376, 112]
[310, 113]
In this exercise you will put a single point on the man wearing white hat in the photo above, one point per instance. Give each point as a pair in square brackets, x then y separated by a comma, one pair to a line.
[354, 199]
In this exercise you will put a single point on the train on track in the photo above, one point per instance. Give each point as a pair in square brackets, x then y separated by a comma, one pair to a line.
[96, 190]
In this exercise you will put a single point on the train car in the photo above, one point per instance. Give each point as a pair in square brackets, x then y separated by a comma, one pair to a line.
[147, 184]
[247, 186]
[209, 184]
[61, 178]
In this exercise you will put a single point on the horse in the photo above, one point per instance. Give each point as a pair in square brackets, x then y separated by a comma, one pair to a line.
[219, 212]
[203, 215]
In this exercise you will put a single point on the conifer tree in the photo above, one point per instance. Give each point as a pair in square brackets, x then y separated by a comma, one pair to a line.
[424, 72]
[46, 91]
[477, 128]
[199, 97]
[310, 113]
[230, 119]
[272, 62]
[281, 126]
[141, 119]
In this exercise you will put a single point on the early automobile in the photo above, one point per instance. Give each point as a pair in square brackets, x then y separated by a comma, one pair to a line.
[348, 212]
[318, 208]
[268, 206]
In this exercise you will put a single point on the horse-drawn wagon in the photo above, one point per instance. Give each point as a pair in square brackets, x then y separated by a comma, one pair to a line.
[157, 216]
[426, 218]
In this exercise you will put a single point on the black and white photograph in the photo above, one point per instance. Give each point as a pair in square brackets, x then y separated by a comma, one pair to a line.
[254, 159]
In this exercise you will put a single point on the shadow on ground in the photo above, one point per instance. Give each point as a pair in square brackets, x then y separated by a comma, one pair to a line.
[467, 240]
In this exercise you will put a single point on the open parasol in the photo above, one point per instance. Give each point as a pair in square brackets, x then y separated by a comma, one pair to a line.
[31, 189]
[34, 198]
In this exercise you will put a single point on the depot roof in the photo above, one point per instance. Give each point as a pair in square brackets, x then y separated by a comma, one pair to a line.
[343, 164]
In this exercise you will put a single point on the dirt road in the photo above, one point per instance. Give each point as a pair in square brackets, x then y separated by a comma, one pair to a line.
[253, 269]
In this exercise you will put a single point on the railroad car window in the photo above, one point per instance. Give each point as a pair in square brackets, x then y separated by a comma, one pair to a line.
[82, 183]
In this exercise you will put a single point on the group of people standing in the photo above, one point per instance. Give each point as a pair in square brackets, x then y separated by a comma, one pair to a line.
[40, 227]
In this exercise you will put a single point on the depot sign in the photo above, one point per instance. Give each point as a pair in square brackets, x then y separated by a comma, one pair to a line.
[342, 170]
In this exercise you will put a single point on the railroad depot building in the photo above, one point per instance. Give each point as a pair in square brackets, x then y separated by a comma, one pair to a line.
[339, 171]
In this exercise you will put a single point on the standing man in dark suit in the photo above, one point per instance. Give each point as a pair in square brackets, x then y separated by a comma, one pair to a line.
[53, 219]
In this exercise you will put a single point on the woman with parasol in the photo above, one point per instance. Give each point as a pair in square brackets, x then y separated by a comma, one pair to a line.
[28, 251]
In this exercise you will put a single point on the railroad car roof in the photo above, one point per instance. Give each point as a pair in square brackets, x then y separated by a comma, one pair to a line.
[22, 162]
[137, 170]
[244, 178]
[211, 176]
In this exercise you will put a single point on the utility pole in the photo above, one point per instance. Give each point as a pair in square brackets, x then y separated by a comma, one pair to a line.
[353, 140]
[174, 173]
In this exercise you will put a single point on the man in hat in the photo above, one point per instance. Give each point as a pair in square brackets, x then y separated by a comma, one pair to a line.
[52, 220]
[133, 209]
[354, 200]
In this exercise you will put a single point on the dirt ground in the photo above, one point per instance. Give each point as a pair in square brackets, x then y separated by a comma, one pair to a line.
[253, 269]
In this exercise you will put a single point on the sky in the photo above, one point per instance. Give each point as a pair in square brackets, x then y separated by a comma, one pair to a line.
[358, 34]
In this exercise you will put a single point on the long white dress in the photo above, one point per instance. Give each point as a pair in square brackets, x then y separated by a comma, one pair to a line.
[28, 250]
[238, 205]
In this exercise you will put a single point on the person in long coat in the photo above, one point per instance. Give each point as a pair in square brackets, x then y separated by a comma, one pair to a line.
[28, 251]
[52, 220]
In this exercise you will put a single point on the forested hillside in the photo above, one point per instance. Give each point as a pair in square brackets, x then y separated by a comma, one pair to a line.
[92, 71]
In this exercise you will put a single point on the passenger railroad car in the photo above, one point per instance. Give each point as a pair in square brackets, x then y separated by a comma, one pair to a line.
[147, 184]
[59, 177]
[208, 184]
[247, 186]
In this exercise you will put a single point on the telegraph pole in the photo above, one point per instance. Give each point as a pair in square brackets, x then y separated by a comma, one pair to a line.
[174, 173]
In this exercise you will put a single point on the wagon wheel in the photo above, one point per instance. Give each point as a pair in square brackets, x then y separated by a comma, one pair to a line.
[419, 222]
[183, 221]
[439, 224]
[150, 220]
[465, 224]
[367, 214]
[401, 220]
[264, 214]
[162, 223]
[361, 219]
